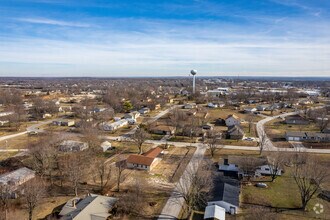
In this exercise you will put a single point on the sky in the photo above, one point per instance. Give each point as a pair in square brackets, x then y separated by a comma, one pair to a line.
[123, 38]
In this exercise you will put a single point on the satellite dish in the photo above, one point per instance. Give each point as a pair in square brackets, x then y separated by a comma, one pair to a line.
[193, 72]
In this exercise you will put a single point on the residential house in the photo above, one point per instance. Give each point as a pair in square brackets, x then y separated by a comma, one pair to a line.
[114, 125]
[98, 110]
[307, 136]
[65, 109]
[235, 132]
[70, 145]
[16, 178]
[92, 207]
[249, 110]
[144, 110]
[326, 130]
[296, 120]
[211, 105]
[157, 106]
[2, 114]
[64, 122]
[232, 120]
[228, 169]
[226, 195]
[221, 104]
[145, 161]
[217, 92]
[4, 123]
[267, 170]
[190, 105]
[132, 115]
[262, 107]
[163, 130]
[295, 135]
[214, 212]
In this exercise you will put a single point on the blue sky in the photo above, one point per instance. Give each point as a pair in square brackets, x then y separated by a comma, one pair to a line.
[164, 38]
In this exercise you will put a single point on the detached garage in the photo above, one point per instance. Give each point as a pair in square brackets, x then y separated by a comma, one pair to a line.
[295, 136]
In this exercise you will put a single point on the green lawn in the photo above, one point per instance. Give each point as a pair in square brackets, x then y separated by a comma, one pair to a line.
[282, 193]
[283, 196]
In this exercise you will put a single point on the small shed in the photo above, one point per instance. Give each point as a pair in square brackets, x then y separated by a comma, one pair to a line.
[214, 212]
[106, 145]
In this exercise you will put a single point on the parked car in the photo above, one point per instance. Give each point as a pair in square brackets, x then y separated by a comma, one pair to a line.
[261, 185]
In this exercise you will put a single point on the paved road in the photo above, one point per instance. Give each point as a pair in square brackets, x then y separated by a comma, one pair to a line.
[174, 204]
[14, 150]
[162, 113]
[34, 127]
[297, 145]
[12, 136]
[152, 119]
[269, 146]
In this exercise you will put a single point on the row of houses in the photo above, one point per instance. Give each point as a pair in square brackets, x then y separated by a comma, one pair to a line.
[226, 192]
[75, 146]
[114, 125]
[129, 118]
[233, 170]
[307, 136]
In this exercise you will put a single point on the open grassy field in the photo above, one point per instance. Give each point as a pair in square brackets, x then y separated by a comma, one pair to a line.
[18, 142]
[276, 128]
[214, 114]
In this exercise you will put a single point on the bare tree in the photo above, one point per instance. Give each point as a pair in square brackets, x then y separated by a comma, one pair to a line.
[193, 187]
[177, 119]
[120, 167]
[250, 119]
[75, 170]
[309, 176]
[91, 136]
[262, 141]
[323, 121]
[248, 165]
[33, 190]
[4, 199]
[43, 155]
[276, 161]
[213, 141]
[139, 137]
[101, 172]
[133, 201]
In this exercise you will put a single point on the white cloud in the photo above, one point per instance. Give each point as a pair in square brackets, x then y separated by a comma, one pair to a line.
[52, 22]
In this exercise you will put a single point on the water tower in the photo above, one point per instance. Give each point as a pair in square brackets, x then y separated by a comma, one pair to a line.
[193, 73]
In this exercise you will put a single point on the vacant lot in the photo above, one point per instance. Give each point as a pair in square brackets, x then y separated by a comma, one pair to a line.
[224, 112]
[173, 163]
[18, 142]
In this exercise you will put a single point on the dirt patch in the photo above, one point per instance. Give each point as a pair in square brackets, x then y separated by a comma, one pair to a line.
[174, 160]
[317, 145]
